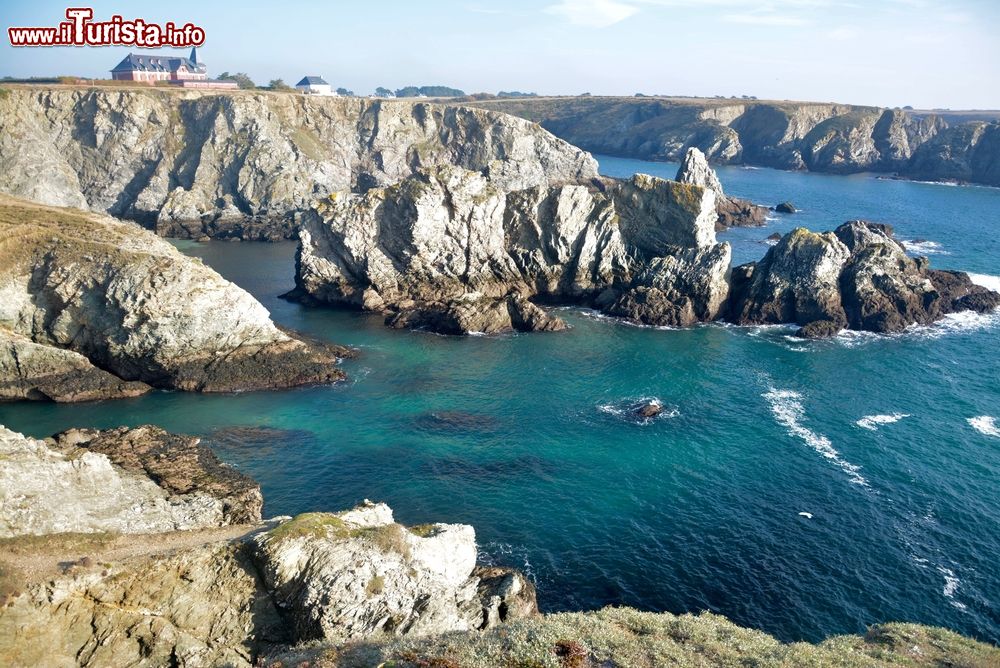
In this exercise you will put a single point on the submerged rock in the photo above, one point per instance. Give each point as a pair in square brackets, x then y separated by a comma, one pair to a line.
[732, 211]
[452, 251]
[785, 207]
[857, 277]
[95, 303]
[649, 409]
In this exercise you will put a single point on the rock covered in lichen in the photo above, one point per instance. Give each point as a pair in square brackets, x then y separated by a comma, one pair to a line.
[731, 211]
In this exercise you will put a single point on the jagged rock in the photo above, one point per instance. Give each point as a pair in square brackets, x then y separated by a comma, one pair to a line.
[831, 138]
[785, 207]
[857, 277]
[731, 211]
[449, 250]
[477, 316]
[506, 595]
[29, 370]
[194, 163]
[387, 578]
[797, 281]
[134, 307]
[773, 237]
[178, 464]
[129, 491]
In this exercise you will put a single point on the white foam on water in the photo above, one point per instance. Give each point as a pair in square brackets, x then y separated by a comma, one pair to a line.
[806, 515]
[953, 323]
[786, 406]
[951, 585]
[986, 281]
[985, 425]
[923, 247]
[627, 410]
[873, 422]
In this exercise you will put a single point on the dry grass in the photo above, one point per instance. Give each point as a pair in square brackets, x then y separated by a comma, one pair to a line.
[626, 637]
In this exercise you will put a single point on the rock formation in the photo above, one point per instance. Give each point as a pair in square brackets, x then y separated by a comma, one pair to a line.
[732, 211]
[134, 559]
[452, 250]
[857, 277]
[245, 165]
[92, 308]
[388, 579]
[831, 138]
[125, 481]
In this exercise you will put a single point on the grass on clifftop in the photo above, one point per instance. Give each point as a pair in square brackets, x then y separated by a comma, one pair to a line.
[622, 637]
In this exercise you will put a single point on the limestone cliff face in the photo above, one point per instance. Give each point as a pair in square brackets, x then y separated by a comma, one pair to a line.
[134, 308]
[829, 138]
[247, 164]
[106, 483]
[448, 240]
[731, 211]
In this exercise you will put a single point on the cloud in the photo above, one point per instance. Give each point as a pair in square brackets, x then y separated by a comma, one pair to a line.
[844, 33]
[592, 13]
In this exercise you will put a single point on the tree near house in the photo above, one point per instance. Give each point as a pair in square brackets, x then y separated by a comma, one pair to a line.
[279, 85]
[241, 78]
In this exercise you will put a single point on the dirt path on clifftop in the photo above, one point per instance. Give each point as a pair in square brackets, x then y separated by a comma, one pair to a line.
[28, 560]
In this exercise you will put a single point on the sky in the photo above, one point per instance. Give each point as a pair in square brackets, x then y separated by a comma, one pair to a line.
[882, 52]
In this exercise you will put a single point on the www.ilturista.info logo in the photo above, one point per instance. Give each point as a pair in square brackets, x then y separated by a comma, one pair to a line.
[79, 30]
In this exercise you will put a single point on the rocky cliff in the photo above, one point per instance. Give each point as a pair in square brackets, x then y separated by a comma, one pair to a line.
[150, 552]
[731, 211]
[246, 165]
[830, 138]
[857, 277]
[455, 251]
[95, 308]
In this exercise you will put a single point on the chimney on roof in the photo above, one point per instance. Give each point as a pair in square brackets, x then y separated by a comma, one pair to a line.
[194, 55]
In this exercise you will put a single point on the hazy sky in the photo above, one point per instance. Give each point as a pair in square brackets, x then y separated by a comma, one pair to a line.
[885, 52]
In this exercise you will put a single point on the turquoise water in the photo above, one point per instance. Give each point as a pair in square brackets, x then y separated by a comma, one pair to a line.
[527, 438]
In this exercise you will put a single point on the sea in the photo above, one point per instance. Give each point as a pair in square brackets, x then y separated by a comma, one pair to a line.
[804, 488]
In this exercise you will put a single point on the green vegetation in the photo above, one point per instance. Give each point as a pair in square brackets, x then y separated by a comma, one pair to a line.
[309, 525]
[4, 93]
[383, 92]
[241, 78]
[515, 93]
[308, 142]
[386, 538]
[343, 92]
[429, 91]
[627, 637]
[279, 85]
[423, 530]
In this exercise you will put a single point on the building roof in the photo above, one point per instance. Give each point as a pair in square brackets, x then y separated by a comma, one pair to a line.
[136, 62]
[312, 81]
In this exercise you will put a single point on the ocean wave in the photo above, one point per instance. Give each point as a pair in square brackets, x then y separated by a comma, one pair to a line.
[986, 281]
[505, 554]
[873, 422]
[923, 247]
[786, 406]
[626, 409]
[985, 425]
[594, 314]
[953, 323]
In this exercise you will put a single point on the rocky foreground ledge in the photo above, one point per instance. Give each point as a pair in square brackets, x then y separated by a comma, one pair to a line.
[151, 553]
[94, 308]
[452, 251]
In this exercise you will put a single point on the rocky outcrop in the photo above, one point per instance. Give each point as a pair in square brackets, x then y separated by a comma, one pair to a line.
[29, 370]
[178, 464]
[246, 165]
[388, 579]
[732, 211]
[194, 590]
[125, 481]
[831, 138]
[858, 277]
[93, 308]
[451, 250]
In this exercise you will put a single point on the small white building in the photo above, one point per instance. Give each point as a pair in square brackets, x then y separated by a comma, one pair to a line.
[314, 86]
